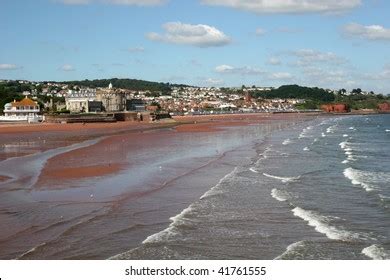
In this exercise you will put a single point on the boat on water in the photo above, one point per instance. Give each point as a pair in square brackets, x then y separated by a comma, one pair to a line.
[25, 110]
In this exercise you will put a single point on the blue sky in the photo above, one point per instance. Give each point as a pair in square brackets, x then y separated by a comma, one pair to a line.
[331, 43]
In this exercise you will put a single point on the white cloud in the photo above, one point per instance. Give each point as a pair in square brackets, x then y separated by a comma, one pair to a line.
[246, 70]
[197, 35]
[287, 6]
[260, 32]
[274, 61]
[289, 30]
[280, 76]
[136, 49]
[383, 75]
[67, 68]
[116, 2]
[309, 56]
[75, 2]
[9, 67]
[213, 82]
[370, 32]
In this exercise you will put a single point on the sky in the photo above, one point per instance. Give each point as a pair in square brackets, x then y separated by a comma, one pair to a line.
[330, 43]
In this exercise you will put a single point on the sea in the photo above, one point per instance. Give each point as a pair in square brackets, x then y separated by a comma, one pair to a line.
[314, 190]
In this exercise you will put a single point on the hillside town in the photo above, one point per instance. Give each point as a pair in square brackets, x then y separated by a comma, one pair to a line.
[68, 99]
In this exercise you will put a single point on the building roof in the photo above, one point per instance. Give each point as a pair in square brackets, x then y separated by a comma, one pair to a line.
[25, 102]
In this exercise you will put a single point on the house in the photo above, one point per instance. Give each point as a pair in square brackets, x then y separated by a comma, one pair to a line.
[25, 110]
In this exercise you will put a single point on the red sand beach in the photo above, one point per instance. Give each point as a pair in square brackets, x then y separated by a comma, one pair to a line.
[116, 191]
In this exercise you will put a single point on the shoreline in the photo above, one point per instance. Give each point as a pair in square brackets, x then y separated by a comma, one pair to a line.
[73, 181]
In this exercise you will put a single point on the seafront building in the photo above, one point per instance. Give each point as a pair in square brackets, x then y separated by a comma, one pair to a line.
[82, 101]
[25, 110]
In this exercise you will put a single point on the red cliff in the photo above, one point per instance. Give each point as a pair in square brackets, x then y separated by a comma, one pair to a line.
[335, 108]
[384, 107]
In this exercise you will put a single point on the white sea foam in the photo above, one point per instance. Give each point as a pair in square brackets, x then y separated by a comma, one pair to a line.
[348, 150]
[376, 252]
[352, 128]
[387, 130]
[344, 144]
[253, 170]
[345, 135]
[331, 129]
[279, 195]
[365, 179]
[283, 179]
[321, 224]
[286, 142]
[215, 190]
[323, 134]
[384, 197]
[265, 153]
[306, 149]
[290, 248]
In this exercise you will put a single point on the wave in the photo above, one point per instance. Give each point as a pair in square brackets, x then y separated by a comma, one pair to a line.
[387, 130]
[31, 251]
[253, 170]
[286, 142]
[291, 248]
[352, 128]
[265, 153]
[344, 144]
[306, 149]
[376, 252]
[283, 179]
[367, 179]
[345, 135]
[279, 195]
[182, 218]
[356, 179]
[348, 150]
[331, 129]
[214, 190]
[321, 225]
[323, 134]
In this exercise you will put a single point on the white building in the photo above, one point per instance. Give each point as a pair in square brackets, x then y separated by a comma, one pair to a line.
[25, 110]
[77, 102]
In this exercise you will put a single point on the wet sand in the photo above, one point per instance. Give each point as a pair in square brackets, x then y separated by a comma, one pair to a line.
[114, 192]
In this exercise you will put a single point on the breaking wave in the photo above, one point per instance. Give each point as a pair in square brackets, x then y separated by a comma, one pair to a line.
[291, 248]
[253, 170]
[182, 218]
[376, 252]
[283, 179]
[279, 195]
[321, 225]
[368, 180]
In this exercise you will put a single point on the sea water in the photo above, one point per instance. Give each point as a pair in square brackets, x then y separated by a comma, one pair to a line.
[317, 190]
